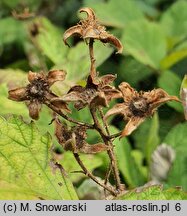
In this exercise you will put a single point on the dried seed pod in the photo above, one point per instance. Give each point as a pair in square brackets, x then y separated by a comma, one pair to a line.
[37, 92]
[74, 139]
[138, 106]
[91, 28]
[93, 94]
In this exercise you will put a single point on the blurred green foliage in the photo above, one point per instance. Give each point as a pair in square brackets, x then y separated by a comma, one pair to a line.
[154, 36]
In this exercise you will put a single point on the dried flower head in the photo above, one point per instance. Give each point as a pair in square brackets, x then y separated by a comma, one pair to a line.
[138, 106]
[91, 28]
[25, 14]
[37, 92]
[74, 139]
[92, 94]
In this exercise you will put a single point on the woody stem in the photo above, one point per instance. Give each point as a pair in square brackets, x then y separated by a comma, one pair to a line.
[110, 151]
[92, 59]
[89, 174]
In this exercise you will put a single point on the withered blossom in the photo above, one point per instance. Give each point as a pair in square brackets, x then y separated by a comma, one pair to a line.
[26, 14]
[138, 106]
[92, 94]
[37, 92]
[91, 28]
[74, 139]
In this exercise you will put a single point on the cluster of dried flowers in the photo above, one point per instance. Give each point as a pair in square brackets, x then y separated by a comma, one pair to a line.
[97, 93]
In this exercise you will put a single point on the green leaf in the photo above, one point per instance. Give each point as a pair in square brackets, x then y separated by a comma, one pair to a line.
[174, 22]
[70, 164]
[127, 165]
[50, 40]
[147, 138]
[13, 192]
[133, 71]
[77, 62]
[145, 41]
[170, 82]
[155, 193]
[11, 30]
[25, 161]
[116, 13]
[173, 58]
[152, 138]
[177, 138]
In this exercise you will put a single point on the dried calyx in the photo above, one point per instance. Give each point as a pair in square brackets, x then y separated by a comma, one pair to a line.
[138, 106]
[74, 139]
[90, 28]
[37, 92]
[92, 95]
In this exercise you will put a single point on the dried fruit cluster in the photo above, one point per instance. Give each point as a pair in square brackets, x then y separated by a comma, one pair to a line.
[97, 93]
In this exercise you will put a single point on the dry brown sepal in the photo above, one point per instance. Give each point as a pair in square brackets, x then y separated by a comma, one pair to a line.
[37, 92]
[74, 139]
[92, 94]
[91, 28]
[138, 106]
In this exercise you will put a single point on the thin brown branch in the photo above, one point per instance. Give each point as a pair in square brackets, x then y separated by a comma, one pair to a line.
[57, 110]
[89, 174]
[110, 151]
[113, 136]
[92, 59]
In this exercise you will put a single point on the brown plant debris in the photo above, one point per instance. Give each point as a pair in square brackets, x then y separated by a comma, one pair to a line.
[138, 106]
[74, 139]
[37, 92]
[92, 94]
[91, 28]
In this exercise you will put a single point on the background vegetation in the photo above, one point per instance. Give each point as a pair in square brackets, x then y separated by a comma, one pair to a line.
[154, 36]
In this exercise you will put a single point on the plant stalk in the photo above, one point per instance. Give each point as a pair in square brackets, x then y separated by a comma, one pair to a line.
[89, 174]
[55, 109]
[110, 151]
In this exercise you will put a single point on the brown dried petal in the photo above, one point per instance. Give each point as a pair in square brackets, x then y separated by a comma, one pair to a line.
[55, 75]
[61, 132]
[94, 148]
[70, 97]
[18, 94]
[90, 13]
[107, 79]
[111, 93]
[99, 100]
[132, 124]
[33, 76]
[73, 31]
[117, 109]
[158, 97]
[127, 91]
[109, 38]
[61, 105]
[34, 109]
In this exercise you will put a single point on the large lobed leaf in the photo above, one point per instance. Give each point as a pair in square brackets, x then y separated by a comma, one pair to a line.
[174, 22]
[171, 82]
[145, 41]
[116, 13]
[155, 193]
[25, 162]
